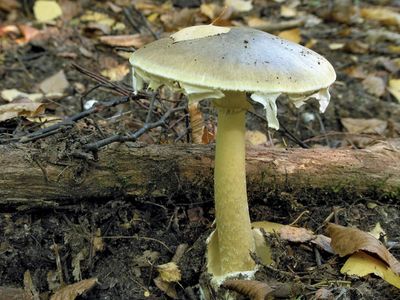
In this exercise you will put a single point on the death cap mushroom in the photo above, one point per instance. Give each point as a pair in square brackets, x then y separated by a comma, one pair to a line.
[206, 60]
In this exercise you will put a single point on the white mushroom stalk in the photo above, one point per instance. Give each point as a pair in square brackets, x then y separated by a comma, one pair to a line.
[226, 64]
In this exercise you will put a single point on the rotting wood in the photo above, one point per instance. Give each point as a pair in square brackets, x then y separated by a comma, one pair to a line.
[31, 178]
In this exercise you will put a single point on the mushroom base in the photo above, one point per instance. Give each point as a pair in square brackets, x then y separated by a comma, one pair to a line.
[210, 285]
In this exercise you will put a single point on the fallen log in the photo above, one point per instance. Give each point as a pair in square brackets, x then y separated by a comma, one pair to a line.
[43, 177]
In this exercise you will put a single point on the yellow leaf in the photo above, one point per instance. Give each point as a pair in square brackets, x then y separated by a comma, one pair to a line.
[394, 88]
[239, 5]
[348, 240]
[293, 35]
[96, 17]
[384, 15]
[362, 264]
[46, 10]
[288, 11]
[169, 272]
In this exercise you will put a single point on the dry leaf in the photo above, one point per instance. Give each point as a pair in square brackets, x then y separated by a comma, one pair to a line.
[97, 17]
[362, 264]
[378, 232]
[8, 293]
[346, 241]
[256, 137]
[374, 85]
[239, 5]
[295, 234]
[13, 94]
[70, 292]
[196, 123]
[293, 35]
[356, 47]
[56, 83]
[255, 290]
[28, 32]
[288, 11]
[374, 126]
[45, 10]
[169, 272]
[323, 294]
[384, 15]
[255, 22]
[9, 5]
[394, 88]
[356, 72]
[133, 40]
[116, 73]
[27, 109]
[336, 46]
[166, 287]
[211, 10]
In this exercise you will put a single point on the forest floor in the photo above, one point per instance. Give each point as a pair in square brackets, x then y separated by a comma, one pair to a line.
[122, 241]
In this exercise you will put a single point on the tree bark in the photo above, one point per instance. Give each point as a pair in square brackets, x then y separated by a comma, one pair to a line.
[31, 177]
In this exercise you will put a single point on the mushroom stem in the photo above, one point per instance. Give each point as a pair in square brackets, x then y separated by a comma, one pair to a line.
[235, 238]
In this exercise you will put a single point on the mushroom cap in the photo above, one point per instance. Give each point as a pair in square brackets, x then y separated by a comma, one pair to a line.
[235, 59]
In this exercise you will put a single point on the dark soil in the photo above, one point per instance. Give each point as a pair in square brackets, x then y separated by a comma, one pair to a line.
[121, 241]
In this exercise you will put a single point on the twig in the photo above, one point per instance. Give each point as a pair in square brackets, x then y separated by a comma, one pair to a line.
[66, 123]
[132, 136]
[285, 131]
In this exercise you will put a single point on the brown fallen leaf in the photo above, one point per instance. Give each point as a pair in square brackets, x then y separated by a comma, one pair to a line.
[296, 234]
[293, 35]
[71, 291]
[346, 241]
[56, 83]
[169, 274]
[359, 125]
[9, 5]
[383, 15]
[25, 109]
[167, 287]
[255, 137]
[9, 293]
[196, 123]
[374, 85]
[133, 40]
[255, 290]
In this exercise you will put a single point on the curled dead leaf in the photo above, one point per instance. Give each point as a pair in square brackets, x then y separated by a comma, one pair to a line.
[71, 291]
[346, 241]
[255, 290]
[169, 272]
[13, 110]
[362, 264]
[8, 293]
[296, 234]
[383, 15]
[133, 40]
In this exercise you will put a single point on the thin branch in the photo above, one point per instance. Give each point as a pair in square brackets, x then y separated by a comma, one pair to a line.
[132, 137]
